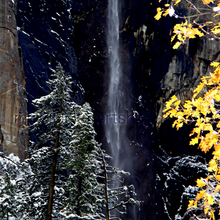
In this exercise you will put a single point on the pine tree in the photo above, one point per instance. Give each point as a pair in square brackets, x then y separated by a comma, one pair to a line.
[15, 181]
[81, 160]
[93, 184]
[53, 122]
[72, 178]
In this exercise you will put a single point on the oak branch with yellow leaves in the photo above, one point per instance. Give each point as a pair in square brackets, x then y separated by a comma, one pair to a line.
[204, 108]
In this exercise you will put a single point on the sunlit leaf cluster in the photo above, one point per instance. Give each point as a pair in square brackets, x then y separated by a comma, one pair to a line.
[201, 21]
[208, 196]
[164, 11]
[203, 111]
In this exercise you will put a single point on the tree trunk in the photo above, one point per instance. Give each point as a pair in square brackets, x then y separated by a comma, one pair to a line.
[106, 186]
[53, 170]
[52, 179]
[79, 193]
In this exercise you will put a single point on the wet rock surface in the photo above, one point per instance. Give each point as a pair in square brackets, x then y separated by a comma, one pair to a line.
[74, 34]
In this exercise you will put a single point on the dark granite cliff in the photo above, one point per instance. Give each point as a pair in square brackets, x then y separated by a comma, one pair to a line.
[74, 33]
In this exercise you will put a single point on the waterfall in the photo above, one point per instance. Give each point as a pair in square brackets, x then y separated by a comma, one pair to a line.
[116, 113]
[113, 128]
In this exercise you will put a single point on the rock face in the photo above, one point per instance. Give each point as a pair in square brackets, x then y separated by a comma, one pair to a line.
[13, 135]
[45, 30]
[74, 33]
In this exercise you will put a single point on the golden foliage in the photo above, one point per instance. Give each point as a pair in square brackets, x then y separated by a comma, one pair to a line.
[185, 31]
[203, 109]
[159, 14]
[207, 1]
[204, 113]
[176, 2]
[191, 28]
[201, 183]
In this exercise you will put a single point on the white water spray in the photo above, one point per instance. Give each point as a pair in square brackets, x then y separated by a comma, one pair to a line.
[115, 117]
[113, 129]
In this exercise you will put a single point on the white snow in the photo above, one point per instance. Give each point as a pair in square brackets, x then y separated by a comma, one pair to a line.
[171, 11]
[40, 42]
[216, 9]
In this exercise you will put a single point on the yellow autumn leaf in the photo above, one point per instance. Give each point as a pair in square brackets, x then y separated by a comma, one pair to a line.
[217, 177]
[211, 138]
[200, 182]
[173, 37]
[216, 30]
[214, 64]
[208, 127]
[177, 1]
[176, 45]
[179, 125]
[195, 204]
[198, 89]
[177, 103]
[166, 12]
[217, 98]
[199, 33]
[204, 146]
[216, 76]
[172, 113]
[169, 103]
[211, 214]
[218, 125]
[205, 78]
[210, 199]
[207, 208]
[216, 153]
[200, 195]
[207, 2]
[159, 14]
[209, 177]
[185, 23]
[180, 37]
[191, 33]
[177, 28]
[194, 141]
[217, 146]
[191, 203]
[195, 131]
[213, 165]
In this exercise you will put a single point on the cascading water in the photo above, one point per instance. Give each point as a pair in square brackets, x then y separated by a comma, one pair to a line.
[116, 115]
[113, 129]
